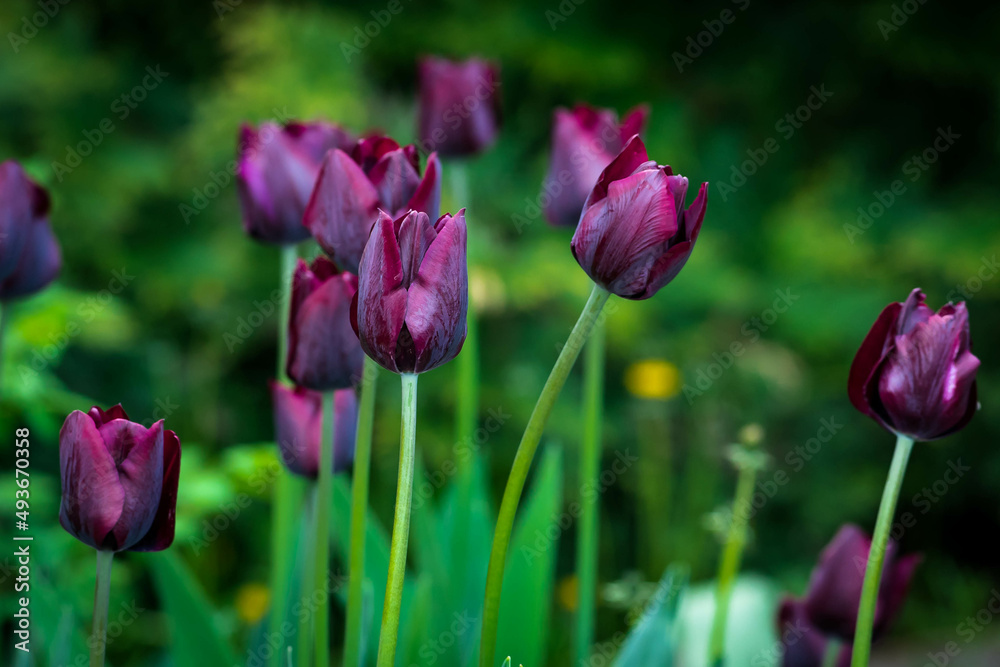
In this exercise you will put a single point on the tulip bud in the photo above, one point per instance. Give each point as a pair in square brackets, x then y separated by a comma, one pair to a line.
[584, 142]
[634, 234]
[298, 418]
[803, 645]
[412, 297]
[277, 170]
[831, 602]
[459, 105]
[323, 352]
[29, 254]
[915, 373]
[119, 481]
[352, 187]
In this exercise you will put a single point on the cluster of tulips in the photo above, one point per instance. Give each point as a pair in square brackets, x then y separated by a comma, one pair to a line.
[391, 288]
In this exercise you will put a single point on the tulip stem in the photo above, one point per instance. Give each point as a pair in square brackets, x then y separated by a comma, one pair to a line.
[400, 524]
[359, 513]
[729, 565]
[522, 465]
[285, 487]
[306, 583]
[102, 594]
[589, 522]
[876, 557]
[324, 497]
[833, 647]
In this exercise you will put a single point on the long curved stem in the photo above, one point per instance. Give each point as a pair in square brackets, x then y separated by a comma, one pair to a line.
[590, 462]
[359, 513]
[307, 586]
[522, 464]
[876, 557]
[324, 498]
[400, 524]
[102, 594]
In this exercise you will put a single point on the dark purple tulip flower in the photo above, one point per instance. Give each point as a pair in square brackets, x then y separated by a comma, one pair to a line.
[915, 373]
[376, 174]
[29, 254]
[831, 602]
[584, 142]
[277, 169]
[413, 292]
[459, 105]
[635, 235]
[803, 645]
[119, 481]
[298, 417]
[323, 352]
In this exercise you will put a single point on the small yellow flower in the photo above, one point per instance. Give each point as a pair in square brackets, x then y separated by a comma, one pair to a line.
[252, 601]
[656, 379]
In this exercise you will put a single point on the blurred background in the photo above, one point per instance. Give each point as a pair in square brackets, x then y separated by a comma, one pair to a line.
[165, 306]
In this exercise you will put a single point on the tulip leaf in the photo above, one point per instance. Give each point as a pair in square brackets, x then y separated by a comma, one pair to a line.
[652, 640]
[529, 579]
[195, 639]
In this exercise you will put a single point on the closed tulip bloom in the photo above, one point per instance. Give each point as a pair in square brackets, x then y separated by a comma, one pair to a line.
[413, 292]
[915, 373]
[28, 248]
[634, 234]
[323, 352]
[277, 168]
[831, 602]
[119, 481]
[803, 645]
[298, 417]
[352, 186]
[459, 105]
[584, 142]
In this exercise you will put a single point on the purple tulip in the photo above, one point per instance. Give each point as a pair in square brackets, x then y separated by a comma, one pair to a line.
[351, 188]
[831, 602]
[915, 373]
[277, 170]
[459, 105]
[29, 254]
[803, 645]
[298, 418]
[413, 292]
[323, 352]
[634, 234]
[584, 142]
[119, 481]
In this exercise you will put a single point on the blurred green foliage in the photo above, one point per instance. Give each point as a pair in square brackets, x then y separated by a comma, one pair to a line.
[147, 293]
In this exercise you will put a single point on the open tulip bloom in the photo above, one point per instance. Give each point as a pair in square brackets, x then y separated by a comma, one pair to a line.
[915, 375]
[119, 493]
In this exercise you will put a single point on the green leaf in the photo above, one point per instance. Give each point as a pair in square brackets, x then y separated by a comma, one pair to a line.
[529, 580]
[652, 639]
[194, 638]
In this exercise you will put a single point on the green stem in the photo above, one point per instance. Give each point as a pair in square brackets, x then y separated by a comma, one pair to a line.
[832, 653]
[286, 490]
[873, 571]
[729, 565]
[324, 498]
[359, 513]
[589, 522]
[102, 594]
[522, 464]
[400, 524]
[307, 585]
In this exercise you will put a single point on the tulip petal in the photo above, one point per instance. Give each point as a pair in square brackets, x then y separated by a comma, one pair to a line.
[869, 356]
[670, 264]
[835, 586]
[297, 417]
[324, 354]
[395, 180]
[92, 496]
[140, 459]
[345, 403]
[634, 122]
[16, 213]
[631, 157]
[438, 298]
[161, 534]
[39, 265]
[381, 298]
[342, 209]
[414, 235]
[427, 197]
